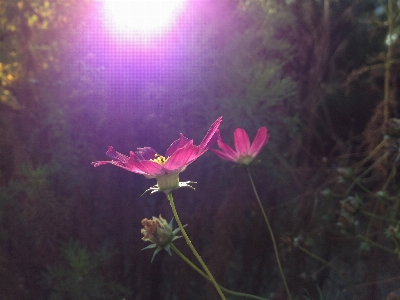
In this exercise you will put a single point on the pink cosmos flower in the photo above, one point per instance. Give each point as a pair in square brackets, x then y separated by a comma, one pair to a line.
[245, 153]
[165, 169]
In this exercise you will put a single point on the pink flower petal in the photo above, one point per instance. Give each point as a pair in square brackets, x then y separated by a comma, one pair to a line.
[133, 165]
[242, 141]
[121, 161]
[182, 157]
[100, 163]
[128, 167]
[145, 153]
[227, 149]
[224, 155]
[112, 162]
[111, 153]
[179, 143]
[259, 142]
[211, 137]
[149, 168]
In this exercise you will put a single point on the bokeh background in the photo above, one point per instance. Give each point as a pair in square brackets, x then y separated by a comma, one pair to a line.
[322, 75]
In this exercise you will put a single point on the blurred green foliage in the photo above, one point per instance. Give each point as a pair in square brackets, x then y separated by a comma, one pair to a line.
[82, 276]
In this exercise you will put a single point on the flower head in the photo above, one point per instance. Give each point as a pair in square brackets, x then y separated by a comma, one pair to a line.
[245, 153]
[159, 233]
[165, 169]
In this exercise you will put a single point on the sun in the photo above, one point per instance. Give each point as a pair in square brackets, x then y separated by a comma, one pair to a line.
[141, 17]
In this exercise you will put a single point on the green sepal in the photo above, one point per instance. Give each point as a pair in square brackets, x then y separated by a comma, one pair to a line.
[168, 249]
[155, 253]
[149, 246]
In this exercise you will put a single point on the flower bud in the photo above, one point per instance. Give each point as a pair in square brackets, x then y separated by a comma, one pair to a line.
[157, 231]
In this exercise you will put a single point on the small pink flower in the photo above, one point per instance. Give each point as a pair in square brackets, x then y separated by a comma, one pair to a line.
[165, 169]
[245, 153]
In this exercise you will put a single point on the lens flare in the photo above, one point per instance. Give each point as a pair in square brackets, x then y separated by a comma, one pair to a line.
[141, 18]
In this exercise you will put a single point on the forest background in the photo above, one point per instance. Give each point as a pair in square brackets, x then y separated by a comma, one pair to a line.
[322, 75]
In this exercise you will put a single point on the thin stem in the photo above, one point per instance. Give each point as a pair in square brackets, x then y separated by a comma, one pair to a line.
[371, 242]
[390, 177]
[373, 216]
[181, 255]
[373, 152]
[189, 242]
[272, 235]
[365, 173]
[329, 265]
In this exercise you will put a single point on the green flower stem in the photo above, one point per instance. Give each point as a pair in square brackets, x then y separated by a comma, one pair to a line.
[181, 255]
[272, 235]
[188, 241]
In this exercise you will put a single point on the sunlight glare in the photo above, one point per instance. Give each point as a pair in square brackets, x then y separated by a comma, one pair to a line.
[141, 16]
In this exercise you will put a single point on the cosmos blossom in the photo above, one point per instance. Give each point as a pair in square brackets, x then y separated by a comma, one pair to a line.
[165, 169]
[245, 153]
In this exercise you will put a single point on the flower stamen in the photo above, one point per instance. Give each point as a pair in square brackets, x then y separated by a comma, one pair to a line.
[161, 160]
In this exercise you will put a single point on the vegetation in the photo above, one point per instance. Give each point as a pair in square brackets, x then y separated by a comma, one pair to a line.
[321, 75]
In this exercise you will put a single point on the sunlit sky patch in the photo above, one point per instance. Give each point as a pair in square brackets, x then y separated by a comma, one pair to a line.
[141, 20]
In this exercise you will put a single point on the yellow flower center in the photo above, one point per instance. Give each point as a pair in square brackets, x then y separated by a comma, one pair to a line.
[161, 160]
